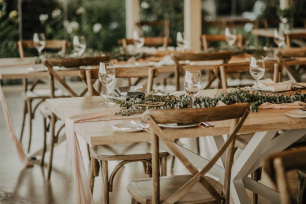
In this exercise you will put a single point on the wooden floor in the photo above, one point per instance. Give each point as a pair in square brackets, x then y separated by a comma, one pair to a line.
[18, 185]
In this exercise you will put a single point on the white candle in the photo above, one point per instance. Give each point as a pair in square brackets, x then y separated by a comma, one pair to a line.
[284, 4]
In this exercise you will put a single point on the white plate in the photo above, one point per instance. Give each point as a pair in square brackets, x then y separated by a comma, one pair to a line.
[127, 127]
[175, 125]
[296, 114]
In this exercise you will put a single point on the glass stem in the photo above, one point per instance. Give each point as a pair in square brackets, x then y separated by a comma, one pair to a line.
[192, 101]
[256, 83]
[107, 93]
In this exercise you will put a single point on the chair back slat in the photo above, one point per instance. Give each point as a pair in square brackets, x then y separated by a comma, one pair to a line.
[291, 36]
[69, 62]
[50, 44]
[243, 67]
[91, 75]
[177, 57]
[237, 112]
[206, 39]
[197, 115]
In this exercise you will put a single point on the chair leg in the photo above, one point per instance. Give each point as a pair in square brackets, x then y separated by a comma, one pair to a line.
[29, 105]
[163, 166]
[52, 144]
[256, 175]
[104, 171]
[173, 157]
[23, 119]
[198, 145]
[94, 170]
[44, 142]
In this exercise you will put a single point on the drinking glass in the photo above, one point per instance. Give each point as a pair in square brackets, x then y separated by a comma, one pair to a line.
[39, 41]
[192, 84]
[138, 41]
[257, 69]
[279, 38]
[180, 41]
[107, 78]
[79, 45]
[230, 37]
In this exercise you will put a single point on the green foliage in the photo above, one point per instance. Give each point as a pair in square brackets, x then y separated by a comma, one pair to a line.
[183, 101]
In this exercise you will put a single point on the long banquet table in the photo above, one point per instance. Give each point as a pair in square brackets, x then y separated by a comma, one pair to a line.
[264, 124]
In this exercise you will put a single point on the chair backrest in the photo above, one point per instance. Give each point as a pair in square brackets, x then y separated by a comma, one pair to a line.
[293, 36]
[290, 52]
[277, 165]
[165, 24]
[206, 39]
[89, 76]
[50, 44]
[237, 113]
[149, 41]
[177, 57]
[244, 67]
[70, 62]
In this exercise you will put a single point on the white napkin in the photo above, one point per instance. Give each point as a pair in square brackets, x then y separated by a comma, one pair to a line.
[166, 60]
[270, 85]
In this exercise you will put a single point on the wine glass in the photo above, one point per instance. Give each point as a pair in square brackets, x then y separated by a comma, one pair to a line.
[79, 45]
[180, 41]
[192, 84]
[257, 69]
[230, 37]
[138, 41]
[107, 78]
[279, 38]
[39, 41]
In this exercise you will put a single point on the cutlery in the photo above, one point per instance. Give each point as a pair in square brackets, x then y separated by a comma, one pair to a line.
[207, 124]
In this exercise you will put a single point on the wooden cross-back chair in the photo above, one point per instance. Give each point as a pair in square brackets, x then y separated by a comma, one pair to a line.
[89, 76]
[50, 44]
[148, 41]
[177, 57]
[277, 165]
[206, 39]
[223, 70]
[126, 153]
[194, 188]
[67, 63]
[30, 94]
[290, 57]
[294, 37]
[165, 24]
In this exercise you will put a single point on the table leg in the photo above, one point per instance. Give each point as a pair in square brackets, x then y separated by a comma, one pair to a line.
[245, 161]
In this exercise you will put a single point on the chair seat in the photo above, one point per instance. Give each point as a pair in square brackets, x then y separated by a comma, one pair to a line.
[142, 189]
[129, 151]
[44, 94]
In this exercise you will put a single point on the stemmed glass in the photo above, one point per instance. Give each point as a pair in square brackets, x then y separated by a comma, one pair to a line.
[107, 78]
[279, 38]
[230, 37]
[192, 84]
[257, 69]
[138, 41]
[39, 41]
[180, 41]
[79, 45]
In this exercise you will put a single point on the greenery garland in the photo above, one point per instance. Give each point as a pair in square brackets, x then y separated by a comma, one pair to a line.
[183, 101]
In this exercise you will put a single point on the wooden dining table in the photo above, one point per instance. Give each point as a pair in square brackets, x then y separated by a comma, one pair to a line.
[264, 124]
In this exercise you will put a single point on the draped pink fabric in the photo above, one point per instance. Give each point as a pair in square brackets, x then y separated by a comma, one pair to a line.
[295, 104]
[22, 157]
[83, 192]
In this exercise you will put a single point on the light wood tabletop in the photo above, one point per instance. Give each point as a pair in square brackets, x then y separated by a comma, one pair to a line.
[96, 133]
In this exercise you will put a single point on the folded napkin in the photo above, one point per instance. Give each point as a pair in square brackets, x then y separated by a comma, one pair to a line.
[166, 60]
[295, 104]
[270, 85]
